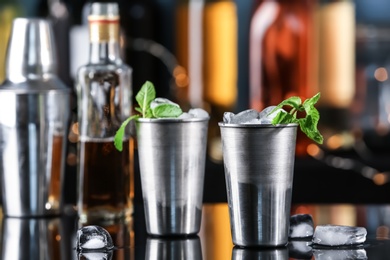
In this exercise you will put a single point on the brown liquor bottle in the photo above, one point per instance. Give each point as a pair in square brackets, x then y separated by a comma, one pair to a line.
[281, 54]
[104, 101]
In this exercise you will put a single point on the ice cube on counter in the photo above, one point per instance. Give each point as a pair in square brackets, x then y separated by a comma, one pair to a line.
[301, 226]
[93, 238]
[339, 254]
[333, 235]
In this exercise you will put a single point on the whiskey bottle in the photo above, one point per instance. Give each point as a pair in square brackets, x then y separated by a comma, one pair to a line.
[104, 95]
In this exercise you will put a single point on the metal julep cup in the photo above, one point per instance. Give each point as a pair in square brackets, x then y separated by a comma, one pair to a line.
[172, 155]
[259, 166]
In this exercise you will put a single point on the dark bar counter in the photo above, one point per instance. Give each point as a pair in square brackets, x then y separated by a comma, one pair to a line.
[55, 238]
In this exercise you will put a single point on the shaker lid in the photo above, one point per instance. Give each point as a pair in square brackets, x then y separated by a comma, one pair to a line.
[31, 53]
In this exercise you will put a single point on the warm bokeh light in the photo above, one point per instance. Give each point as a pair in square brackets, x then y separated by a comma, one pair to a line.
[334, 142]
[382, 232]
[71, 159]
[181, 77]
[380, 74]
[314, 151]
[380, 178]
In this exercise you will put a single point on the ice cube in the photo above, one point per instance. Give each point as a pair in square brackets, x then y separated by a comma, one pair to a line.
[93, 238]
[244, 116]
[185, 115]
[300, 249]
[227, 117]
[301, 226]
[333, 235]
[339, 254]
[253, 121]
[265, 114]
[159, 101]
[198, 113]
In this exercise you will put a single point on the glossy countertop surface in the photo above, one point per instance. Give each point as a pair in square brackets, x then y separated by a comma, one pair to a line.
[55, 238]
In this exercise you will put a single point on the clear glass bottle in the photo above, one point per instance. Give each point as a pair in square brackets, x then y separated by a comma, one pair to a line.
[104, 101]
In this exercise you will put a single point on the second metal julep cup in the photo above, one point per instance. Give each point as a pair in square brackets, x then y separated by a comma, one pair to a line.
[259, 166]
[172, 155]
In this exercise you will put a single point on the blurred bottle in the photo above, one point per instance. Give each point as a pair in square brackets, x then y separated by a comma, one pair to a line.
[104, 102]
[336, 79]
[207, 48]
[8, 11]
[282, 54]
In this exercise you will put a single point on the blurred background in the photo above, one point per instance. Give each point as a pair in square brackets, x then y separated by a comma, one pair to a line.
[231, 55]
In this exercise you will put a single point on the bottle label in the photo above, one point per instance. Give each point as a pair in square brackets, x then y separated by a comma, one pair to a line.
[103, 28]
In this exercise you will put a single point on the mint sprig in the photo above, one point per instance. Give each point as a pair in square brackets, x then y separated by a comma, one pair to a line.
[308, 124]
[145, 96]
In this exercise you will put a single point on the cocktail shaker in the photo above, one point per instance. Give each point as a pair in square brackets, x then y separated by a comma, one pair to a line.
[34, 120]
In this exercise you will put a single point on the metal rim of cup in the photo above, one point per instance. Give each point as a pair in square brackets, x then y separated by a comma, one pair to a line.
[230, 125]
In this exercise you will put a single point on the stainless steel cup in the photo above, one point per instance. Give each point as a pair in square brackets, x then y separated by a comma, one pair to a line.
[259, 165]
[34, 120]
[172, 249]
[172, 156]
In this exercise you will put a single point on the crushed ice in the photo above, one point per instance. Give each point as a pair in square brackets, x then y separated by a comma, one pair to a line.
[251, 116]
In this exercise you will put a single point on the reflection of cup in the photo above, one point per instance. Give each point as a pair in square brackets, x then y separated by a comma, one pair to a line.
[274, 254]
[172, 160]
[166, 249]
[259, 165]
[33, 238]
[34, 114]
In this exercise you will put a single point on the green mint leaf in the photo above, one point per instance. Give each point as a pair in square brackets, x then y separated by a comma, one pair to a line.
[294, 102]
[144, 97]
[310, 102]
[308, 124]
[166, 110]
[118, 139]
[283, 118]
[309, 127]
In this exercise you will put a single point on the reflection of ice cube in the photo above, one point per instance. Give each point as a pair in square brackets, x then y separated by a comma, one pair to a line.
[300, 249]
[96, 256]
[93, 238]
[159, 101]
[340, 254]
[227, 117]
[244, 116]
[198, 113]
[301, 225]
[332, 235]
